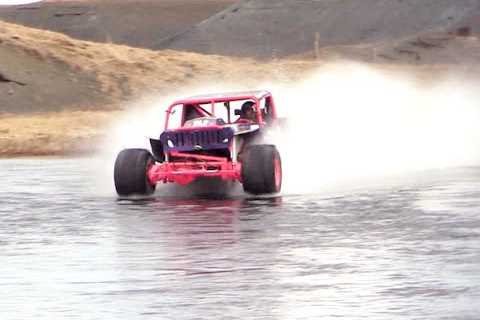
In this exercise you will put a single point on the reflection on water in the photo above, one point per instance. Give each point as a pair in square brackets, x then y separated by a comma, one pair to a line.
[68, 251]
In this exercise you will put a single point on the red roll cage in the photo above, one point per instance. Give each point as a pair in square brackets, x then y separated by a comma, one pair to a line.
[226, 98]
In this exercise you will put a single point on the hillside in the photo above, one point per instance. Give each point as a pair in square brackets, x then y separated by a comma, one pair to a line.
[139, 23]
[266, 29]
[58, 94]
[57, 72]
[407, 31]
[430, 48]
[55, 91]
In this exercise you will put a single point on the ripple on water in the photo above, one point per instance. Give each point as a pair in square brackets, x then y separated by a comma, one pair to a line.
[407, 251]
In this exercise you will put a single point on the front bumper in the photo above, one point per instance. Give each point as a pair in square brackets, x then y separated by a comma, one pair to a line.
[186, 172]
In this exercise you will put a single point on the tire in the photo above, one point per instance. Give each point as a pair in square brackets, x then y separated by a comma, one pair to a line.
[130, 172]
[261, 169]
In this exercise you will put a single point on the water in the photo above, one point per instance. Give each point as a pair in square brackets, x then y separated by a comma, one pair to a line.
[71, 250]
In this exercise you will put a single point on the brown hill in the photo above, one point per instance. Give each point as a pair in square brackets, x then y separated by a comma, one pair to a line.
[266, 29]
[29, 84]
[139, 23]
[370, 30]
[433, 48]
[50, 71]
[55, 90]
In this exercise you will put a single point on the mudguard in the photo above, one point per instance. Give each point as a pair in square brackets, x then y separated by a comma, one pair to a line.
[157, 150]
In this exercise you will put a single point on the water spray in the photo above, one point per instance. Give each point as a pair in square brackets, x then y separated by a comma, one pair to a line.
[347, 124]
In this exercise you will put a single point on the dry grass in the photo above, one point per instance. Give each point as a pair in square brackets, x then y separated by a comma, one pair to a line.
[60, 133]
[129, 72]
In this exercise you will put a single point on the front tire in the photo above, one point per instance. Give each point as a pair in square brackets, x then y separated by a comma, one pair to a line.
[261, 169]
[130, 172]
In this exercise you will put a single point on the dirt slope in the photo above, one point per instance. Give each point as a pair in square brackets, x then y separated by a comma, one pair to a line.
[266, 29]
[139, 23]
[367, 30]
[29, 84]
[55, 91]
[50, 71]
[433, 48]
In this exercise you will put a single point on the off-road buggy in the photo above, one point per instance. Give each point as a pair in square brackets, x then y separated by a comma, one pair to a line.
[207, 137]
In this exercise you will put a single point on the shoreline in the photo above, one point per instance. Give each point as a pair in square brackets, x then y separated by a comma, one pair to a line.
[66, 133]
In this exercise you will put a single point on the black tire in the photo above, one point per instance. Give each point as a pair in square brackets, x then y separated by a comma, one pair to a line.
[130, 172]
[261, 169]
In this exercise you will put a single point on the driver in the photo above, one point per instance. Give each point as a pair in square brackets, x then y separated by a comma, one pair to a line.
[248, 112]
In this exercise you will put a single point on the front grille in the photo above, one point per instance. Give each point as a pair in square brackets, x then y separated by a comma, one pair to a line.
[191, 140]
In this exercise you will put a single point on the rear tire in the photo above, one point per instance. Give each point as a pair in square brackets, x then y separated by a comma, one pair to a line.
[130, 172]
[261, 169]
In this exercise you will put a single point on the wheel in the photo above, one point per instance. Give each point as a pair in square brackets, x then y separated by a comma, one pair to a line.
[261, 169]
[130, 172]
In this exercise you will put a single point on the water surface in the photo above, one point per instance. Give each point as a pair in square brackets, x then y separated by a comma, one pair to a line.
[71, 250]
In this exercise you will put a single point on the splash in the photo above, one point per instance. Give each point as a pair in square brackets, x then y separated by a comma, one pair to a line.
[348, 124]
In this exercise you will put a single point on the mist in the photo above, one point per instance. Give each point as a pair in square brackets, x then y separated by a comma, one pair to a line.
[348, 124]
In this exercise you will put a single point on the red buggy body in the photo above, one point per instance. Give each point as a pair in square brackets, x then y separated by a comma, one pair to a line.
[207, 137]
